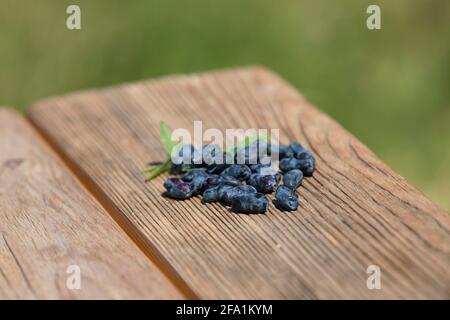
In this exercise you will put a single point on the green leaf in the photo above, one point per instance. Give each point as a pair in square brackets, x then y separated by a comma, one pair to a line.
[165, 134]
[247, 141]
[229, 150]
[151, 168]
[176, 149]
[186, 169]
[263, 137]
[154, 171]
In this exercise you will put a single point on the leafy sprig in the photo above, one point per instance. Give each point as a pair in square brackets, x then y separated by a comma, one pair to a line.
[165, 135]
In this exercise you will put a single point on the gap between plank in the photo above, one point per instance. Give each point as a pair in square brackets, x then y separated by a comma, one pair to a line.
[143, 244]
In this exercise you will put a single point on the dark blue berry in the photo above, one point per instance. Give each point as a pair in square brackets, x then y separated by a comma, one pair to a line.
[296, 148]
[229, 194]
[170, 182]
[308, 162]
[218, 167]
[286, 199]
[198, 183]
[238, 171]
[223, 190]
[305, 165]
[288, 164]
[212, 195]
[281, 151]
[285, 151]
[215, 168]
[177, 188]
[263, 183]
[256, 168]
[188, 176]
[293, 178]
[304, 155]
[249, 203]
[231, 181]
[213, 181]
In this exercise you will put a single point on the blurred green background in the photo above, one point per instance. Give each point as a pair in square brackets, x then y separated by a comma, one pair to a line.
[390, 87]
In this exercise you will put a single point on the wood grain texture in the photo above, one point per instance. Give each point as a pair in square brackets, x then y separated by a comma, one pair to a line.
[48, 222]
[355, 211]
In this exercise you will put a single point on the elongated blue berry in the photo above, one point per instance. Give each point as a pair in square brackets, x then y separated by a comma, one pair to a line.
[188, 176]
[212, 195]
[285, 199]
[212, 180]
[296, 148]
[293, 178]
[238, 171]
[231, 181]
[284, 151]
[249, 203]
[198, 183]
[178, 189]
[263, 183]
[256, 168]
[307, 165]
[288, 164]
[229, 194]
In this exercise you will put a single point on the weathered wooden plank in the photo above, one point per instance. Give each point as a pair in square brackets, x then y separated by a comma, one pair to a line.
[49, 222]
[355, 211]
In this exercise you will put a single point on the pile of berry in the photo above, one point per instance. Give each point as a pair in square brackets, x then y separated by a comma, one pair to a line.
[243, 187]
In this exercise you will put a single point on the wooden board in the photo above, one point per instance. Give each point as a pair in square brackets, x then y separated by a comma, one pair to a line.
[48, 222]
[355, 211]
